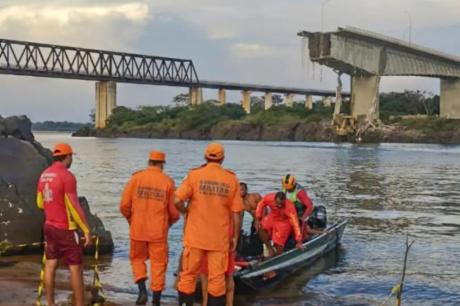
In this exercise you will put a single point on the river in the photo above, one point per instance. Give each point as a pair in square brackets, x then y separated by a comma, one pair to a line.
[384, 191]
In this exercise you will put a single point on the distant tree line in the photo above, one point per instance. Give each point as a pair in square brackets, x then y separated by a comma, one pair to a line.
[58, 126]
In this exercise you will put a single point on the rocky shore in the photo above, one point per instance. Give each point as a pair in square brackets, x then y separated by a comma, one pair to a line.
[22, 159]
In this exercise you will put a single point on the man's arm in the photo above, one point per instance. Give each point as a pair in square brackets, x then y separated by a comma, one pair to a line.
[73, 205]
[173, 214]
[182, 194]
[126, 200]
[303, 197]
[237, 220]
[237, 207]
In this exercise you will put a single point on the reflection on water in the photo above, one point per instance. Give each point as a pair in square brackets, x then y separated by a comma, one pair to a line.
[384, 191]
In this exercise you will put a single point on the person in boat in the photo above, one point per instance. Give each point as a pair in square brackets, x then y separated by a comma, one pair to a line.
[299, 196]
[250, 200]
[278, 224]
[213, 195]
[148, 205]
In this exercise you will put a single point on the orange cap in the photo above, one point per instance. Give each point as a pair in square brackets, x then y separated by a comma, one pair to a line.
[289, 182]
[157, 156]
[214, 151]
[62, 149]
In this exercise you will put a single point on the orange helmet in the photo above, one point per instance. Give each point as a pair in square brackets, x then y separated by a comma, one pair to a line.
[62, 149]
[288, 182]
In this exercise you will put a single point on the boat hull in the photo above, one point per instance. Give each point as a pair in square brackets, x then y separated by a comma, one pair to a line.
[269, 273]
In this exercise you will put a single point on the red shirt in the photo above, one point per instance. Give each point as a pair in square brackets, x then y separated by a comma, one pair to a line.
[57, 195]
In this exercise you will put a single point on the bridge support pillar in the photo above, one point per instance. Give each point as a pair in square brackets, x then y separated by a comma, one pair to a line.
[289, 98]
[268, 100]
[195, 96]
[327, 101]
[106, 101]
[246, 103]
[365, 96]
[221, 96]
[338, 100]
[309, 101]
[450, 99]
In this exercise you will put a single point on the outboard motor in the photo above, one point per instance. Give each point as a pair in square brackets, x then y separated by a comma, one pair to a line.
[318, 219]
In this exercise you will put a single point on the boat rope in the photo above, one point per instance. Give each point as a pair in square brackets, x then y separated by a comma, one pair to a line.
[41, 284]
[98, 296]
[394, 292]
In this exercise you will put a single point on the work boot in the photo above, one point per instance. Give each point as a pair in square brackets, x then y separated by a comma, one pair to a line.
[216, 300]
[143, 296]
[186, 299]
[156, 298]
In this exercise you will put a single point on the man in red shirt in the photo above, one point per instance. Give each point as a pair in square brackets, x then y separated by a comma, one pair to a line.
[57, 196]
[278, 223]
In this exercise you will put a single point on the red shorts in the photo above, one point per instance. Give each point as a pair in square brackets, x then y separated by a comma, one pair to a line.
[63, 244]
[279, 230]
[230, 264]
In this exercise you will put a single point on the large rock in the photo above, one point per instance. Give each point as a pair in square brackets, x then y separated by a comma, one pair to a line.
[22, 160]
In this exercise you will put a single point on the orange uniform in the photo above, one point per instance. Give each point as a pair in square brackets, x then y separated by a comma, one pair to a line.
[148, 205]
[280, 221]
[213, 194]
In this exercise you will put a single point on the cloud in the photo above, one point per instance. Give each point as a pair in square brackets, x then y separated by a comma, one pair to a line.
[64, 14]
[249, 50]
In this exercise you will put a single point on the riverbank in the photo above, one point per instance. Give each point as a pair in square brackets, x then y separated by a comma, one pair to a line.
[432, 130]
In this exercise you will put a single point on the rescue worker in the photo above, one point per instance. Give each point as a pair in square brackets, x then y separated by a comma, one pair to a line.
[148, 206]
[250, 200]
[229, 281]
[214, 197]
[57, 196]
[297, 195]
[278, 223]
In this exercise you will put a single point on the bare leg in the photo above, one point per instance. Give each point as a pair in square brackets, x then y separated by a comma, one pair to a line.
[279, 249]
[230, 283]
[50, 272]
[266, 240]
[76, 275]
[204, 289]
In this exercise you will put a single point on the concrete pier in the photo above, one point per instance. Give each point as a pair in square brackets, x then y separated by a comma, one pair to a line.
[195, 96]
[106, 101]
[327, 101]
[309, 101]
[289, 99]
[365, 96]
[221, 95]
[246, 103]
[268, 100]
[450, 99]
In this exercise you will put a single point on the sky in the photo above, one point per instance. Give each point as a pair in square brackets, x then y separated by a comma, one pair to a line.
[251, 41]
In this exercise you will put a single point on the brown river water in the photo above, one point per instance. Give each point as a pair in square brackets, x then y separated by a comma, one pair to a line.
[384, 191]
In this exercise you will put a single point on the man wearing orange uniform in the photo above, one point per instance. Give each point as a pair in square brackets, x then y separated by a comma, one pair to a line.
[148, 205]
[57, 196]
[280, 221]
[214, 197]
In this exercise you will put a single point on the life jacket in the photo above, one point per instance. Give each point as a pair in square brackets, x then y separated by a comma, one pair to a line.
[292, 196]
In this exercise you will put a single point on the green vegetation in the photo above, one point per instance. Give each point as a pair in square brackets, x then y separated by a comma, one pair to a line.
[394, 104]
[62, 126]
[204, 116]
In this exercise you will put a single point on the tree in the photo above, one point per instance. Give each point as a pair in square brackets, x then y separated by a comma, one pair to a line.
[181, 100]
[277, 100]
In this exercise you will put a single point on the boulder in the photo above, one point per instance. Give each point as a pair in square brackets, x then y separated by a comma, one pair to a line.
[22, 160]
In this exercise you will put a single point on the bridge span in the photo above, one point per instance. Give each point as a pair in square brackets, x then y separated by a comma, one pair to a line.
[368, 56]
[108, 68]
